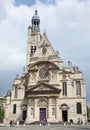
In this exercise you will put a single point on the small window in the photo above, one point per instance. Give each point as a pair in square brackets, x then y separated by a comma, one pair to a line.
[33, 49]
[14, 108]
[64, 76]
[79, 108]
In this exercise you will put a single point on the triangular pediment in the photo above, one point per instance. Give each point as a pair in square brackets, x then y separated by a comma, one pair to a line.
[43, 88]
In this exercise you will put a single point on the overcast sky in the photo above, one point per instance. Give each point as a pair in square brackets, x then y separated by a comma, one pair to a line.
[67, 24]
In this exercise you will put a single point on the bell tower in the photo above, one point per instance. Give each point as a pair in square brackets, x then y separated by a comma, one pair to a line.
[33, 37]
[35, 22]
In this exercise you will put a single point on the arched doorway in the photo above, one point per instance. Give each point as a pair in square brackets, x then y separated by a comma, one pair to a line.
[43, 108]
[42, 114]
[24, 115]
[65, 115]
[24, 112]
[64, 109]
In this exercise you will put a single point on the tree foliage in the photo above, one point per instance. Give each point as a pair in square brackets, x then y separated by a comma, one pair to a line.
[1, 113]
[88, 112]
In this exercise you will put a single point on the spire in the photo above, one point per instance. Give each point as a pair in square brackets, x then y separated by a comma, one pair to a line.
[35, 22]
[9, 92]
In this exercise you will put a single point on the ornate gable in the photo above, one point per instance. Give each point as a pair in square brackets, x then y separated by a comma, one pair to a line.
[43, 88]
[39, 64]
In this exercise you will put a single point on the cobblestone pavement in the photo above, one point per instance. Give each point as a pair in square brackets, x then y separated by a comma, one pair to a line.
[53, 127]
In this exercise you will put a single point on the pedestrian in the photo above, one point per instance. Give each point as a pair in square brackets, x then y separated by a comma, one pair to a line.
[10, 123]
[71, 121]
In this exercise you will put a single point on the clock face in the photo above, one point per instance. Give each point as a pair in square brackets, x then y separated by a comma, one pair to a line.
[34, 39]
[43, 73]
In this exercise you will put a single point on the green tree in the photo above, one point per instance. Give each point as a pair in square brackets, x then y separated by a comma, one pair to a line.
[88, 112]
[1, 113]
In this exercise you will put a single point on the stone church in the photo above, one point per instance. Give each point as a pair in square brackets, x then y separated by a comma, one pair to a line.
[47, 89]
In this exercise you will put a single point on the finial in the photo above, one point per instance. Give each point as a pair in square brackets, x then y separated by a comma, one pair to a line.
[24, 70]
[16, 75]
[36, 12]
[44, 31]
[57, 52]
[69, 63]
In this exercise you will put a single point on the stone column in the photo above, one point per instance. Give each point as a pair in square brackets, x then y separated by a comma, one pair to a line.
[28, 114]
[36, 110]
[48, 110]
[55, 108]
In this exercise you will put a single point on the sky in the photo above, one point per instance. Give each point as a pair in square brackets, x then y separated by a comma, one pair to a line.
[67, 24]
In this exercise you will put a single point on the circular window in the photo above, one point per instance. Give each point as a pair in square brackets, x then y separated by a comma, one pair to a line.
[43, 73]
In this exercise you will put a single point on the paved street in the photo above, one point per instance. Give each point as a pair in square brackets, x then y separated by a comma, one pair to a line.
[32, 127]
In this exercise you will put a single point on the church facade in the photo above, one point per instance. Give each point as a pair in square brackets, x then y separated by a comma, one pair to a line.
[47, 89]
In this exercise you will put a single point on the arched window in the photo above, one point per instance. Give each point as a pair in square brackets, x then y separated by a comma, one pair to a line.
[79, 108]
[78, 88]
[14, 108]
[16, 92]
[64, 88]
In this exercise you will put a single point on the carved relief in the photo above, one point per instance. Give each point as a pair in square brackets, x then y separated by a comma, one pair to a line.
[53, 101]
[42, 103]
[64, 106]
[64, 76]
[43, 65]
[53, 111]
[53, 75]
[44, 50]
[33, 77]
[41, 87]
[33, 67]
[31, 102]
[32, 112]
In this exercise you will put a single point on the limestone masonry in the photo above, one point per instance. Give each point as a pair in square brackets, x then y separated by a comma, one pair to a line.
[47, 90]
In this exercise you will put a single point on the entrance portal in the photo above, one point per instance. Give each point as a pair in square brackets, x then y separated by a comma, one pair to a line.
[24, 115]
[42, 114]
[64, 115]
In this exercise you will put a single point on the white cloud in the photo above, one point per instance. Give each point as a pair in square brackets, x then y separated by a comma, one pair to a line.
[67, 24]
